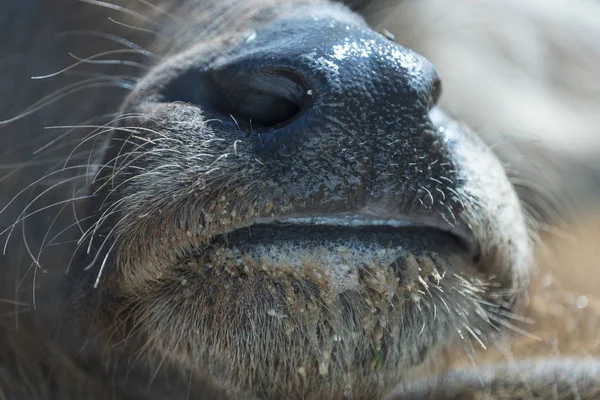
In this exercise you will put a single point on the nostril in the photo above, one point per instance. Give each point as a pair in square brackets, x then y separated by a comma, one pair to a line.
[265, 97]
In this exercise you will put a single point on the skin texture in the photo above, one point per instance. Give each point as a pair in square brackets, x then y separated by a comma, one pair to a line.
[164, 242]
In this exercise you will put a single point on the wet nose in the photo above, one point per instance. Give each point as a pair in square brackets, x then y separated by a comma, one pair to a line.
[294, 79]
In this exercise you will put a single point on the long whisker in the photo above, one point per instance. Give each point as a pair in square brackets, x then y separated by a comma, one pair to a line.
[65, 91]
[95, 135]
[86, 125]
[35, 183]
[162, 10]
[103, 265]
[77, 223]
[137, 28]
[88, 60]
[113, 38]
[56, 161]
[23, 217]
[99, 251]
[35, 261]
[70, 130]
[112, 62]
[11, 227]
[121, 9]
[14, 302]
[108, 212]
[129, 80]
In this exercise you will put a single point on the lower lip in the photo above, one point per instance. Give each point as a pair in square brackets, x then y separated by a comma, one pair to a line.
[333, 256]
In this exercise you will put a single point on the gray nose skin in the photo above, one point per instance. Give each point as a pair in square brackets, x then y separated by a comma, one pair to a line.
[294, 79]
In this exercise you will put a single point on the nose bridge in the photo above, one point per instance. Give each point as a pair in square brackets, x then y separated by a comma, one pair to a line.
[346, 60]
[374, 71]
[358, 82]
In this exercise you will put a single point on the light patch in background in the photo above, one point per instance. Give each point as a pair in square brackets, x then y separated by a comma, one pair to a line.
[526, 70]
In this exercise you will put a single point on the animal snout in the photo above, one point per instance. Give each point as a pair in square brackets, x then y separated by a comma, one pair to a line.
[289, 81]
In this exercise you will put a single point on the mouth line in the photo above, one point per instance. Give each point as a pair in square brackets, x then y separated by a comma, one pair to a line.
[357, 223]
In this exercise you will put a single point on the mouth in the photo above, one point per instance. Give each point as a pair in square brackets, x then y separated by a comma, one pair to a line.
[339, 248]
[385, 229]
